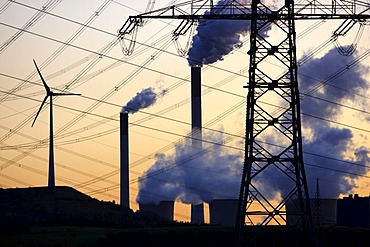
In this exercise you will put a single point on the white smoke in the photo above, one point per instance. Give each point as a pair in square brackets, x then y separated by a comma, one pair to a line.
[144, 99]
[193, 175]
[324, 139]
[215, 39]
[192, 178]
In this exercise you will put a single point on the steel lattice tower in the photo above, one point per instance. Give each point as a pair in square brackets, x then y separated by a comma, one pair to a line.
[284, 154]
[273, 145]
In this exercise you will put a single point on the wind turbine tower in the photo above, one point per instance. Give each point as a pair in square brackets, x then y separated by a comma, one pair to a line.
[49, 93]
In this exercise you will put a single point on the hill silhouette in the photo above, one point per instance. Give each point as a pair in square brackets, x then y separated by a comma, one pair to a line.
[61, 205]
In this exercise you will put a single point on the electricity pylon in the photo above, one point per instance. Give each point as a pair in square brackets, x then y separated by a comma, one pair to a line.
[317, 214]
[279, 159]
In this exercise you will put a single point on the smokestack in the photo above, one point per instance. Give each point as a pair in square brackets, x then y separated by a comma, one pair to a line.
[197, 214]
[124, 160]
[196, 105]
[197, 211]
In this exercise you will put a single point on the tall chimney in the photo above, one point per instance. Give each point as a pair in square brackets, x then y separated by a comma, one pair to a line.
[196, 106]
[124, 160]
[197, 212]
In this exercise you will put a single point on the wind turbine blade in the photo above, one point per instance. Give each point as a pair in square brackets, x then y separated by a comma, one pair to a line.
[38, 112]
[62, 94]
[42, 78]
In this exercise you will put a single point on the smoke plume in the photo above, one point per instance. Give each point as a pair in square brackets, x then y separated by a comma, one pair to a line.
[144, 99]
[192, 178]
[215, 39]
[192, 175]
[321, 137]
[326, 140]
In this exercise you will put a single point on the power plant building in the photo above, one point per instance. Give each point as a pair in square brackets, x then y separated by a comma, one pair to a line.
[324, 212]
[354, 211]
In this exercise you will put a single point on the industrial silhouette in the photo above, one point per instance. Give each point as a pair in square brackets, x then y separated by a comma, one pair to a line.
[282, 158]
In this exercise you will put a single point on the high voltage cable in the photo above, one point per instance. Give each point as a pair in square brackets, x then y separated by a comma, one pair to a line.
[90, 182]
[186, 136]
[191, 158]
[95, 29]
[37, 171]
[49, 5]
[336, 122]
[64, 46]
[177, 164]
[138, 66]
[13, 132]
[84, 25]
[87, 77]
[79, 76]
[5, 6]
[304, 33]
[302, 114]
[157, 115]
[363, 56]
[171, 119]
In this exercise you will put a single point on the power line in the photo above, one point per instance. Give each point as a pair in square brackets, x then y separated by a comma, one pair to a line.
[49, 5]
[190, 137]
[156, 115]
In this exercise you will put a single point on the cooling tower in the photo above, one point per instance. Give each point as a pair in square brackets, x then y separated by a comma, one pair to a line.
[196, 105]
[124, 160]
[163, 208]
[223, 212]
[197, 214]
[324, 212]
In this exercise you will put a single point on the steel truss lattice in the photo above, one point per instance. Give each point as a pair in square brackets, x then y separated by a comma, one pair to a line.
[273, 146]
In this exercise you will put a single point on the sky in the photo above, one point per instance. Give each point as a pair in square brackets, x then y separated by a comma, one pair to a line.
[75, 46]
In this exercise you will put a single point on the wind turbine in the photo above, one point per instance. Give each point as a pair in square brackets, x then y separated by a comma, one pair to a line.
[49, 93]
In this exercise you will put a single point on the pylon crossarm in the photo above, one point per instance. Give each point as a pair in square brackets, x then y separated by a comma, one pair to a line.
[196, 9]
